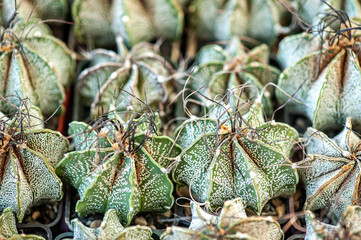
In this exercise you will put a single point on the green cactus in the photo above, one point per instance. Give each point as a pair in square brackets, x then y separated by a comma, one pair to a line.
[8, 227]
[27, 158]
[221, 20]
[348, 226]
[36, 65]
[132, 21]
[220, 70]
[225, 157]
[43, 9]
[232, 223]
[331, 172]
[111, 229]
[122, 167]
[328, 84]
[118, 82]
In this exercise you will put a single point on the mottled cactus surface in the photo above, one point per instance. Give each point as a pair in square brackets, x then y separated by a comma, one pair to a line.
[132, 21]
[348, 227]
[123, 82]
[121, 167]
[8, 227]
[111, 229]
[328, 84]
[232, 223]
[27, 158]
[222, 69]
[331, 172]
[230, 156]
[35, 65]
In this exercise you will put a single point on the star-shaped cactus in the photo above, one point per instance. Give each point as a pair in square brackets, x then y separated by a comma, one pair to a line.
[331, 171]
[8, 227]
[111, 229]
[120, 166]
[36, 65]
[220, 69]
[232, 223]
[225, 158]
[27, 158]
[133, 21]
[348, 226]
[327, 84]
[117, 82]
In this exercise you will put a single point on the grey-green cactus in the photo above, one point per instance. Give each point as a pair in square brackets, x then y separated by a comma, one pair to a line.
[232, 223]
[27, 158]
[8, 227]
[348, 227]
[226, 157]
[132, 21]
[36, 65]
[122, 168]
[115, 82]
[331, 172]
[328, 84]
[221, 20]
[111, 229]
[220, 70]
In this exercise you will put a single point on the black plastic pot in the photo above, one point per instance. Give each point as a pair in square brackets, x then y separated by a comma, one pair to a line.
[36, 229]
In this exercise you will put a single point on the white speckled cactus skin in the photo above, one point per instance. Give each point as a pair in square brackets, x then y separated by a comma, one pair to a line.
[111, 229]
[8, 227]
[221, 20]
[38, 68]
[232, 223]
[347, 227]
[141, 72]
[222, 69]
[330, 88]
[218, 164]
[27, 159]
[130, 182]
[331, 173]
[133, 21]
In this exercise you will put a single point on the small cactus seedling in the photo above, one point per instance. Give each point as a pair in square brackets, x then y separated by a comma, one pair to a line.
[35, 65]
[331, 171]
[348, 226]
[116, 82]
[232, 223]
[221, 69]
[111, 229]
[131, 21]
[325, 79]
[27, 158]
[233, 156]
[8, 229]
[121, 167]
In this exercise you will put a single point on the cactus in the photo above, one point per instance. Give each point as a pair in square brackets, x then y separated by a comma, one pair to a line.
[122, 167]
[36, 65]
[27, 158]
[258, 19]
[232, 223]
[331, 171]
[222, 69]
[327, 84]
[110, 228]
[8, 227]
[348, 226]
[225, 157]
[116, 82]
[132, 21]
